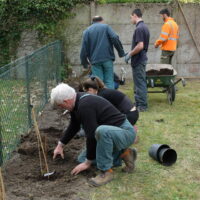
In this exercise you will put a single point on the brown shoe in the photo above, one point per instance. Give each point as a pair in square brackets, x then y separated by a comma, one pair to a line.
[102, 178]
[129, 157]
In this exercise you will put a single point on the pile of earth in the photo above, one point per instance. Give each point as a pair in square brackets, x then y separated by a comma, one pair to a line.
[22, 176]
[164, 71]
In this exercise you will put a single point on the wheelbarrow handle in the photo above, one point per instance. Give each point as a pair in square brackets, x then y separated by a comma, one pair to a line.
[174, 83]
[183, 82]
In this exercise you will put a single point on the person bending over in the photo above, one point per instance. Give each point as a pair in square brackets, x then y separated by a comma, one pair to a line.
[108, 133]
[94, 85]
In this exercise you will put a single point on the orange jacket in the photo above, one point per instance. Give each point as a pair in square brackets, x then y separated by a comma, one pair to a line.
[169, 35]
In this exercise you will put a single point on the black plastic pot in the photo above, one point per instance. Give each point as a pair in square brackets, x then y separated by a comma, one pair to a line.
[163, 154]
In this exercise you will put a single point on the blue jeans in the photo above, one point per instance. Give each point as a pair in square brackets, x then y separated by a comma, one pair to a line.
[140, 85]
[116, 158]
[104, 71]
[111, 141]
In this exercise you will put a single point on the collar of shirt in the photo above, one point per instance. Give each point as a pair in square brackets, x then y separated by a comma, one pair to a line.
[78, 95]
[139, 22]
[169, 18]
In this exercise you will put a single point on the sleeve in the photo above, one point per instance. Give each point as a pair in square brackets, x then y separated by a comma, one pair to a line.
[139, 36]
[89, 123]
[114, 38]
[163, 35]
[71, 131]
[84, 53]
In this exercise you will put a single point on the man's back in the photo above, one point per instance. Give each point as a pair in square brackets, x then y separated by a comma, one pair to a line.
[98, 43]
[171, 28]
[169, 35]
[95, 110]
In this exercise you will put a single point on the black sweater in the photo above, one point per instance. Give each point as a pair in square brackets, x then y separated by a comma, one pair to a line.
[117, 98]
[91, 111]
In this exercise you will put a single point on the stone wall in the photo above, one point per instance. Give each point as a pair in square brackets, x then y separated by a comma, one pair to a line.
[186, 60]
[29, 42]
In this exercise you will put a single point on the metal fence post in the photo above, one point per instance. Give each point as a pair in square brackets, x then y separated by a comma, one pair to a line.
[28, 90]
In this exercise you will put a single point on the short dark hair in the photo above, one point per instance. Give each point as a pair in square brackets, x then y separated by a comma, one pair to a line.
[137, 12]
[165, 11]
[97, 19]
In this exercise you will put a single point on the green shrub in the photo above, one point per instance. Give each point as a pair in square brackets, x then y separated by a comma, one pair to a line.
[40, 15]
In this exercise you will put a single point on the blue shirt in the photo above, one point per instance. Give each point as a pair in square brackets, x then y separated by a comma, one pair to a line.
[141, 34]
[97, 44]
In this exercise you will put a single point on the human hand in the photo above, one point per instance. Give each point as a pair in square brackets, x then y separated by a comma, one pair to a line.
[127, 57]
[155, 45]
[58, 151]
[81, 167]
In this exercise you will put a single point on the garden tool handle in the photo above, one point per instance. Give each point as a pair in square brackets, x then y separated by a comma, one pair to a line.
[39, 136]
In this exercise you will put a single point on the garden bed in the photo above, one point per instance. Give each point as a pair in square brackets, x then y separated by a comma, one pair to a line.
[22, 175]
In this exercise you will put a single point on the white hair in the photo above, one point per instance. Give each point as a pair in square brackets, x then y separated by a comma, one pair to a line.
[62, 92]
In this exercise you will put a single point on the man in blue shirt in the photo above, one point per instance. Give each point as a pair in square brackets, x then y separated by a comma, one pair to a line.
[138, 56]
[97, 48]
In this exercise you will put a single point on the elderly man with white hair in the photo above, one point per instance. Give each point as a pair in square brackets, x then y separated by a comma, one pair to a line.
[108, 132]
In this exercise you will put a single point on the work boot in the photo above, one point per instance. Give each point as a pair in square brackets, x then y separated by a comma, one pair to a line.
[129, 157]
[102, 178]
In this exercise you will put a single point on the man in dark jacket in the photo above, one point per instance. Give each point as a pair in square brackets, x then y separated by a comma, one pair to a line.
[97, 49]
[108, 132]
[138, 56]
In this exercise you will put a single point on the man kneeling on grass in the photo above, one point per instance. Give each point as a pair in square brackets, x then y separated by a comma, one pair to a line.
[108, 132]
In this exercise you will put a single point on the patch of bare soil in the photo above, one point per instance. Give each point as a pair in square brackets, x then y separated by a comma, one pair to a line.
[22, 177]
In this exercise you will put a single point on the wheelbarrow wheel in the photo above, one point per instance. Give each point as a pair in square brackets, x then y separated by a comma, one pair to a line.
[171, 94]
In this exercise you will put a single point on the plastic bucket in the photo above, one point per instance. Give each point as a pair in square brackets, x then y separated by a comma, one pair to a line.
[155, 149]
[167, 156]
[163, 154]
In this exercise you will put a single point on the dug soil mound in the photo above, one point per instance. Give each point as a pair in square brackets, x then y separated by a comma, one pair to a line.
[161, 72]
[22, 176]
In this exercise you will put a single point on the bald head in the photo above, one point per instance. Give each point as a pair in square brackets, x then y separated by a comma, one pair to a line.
[97, 19]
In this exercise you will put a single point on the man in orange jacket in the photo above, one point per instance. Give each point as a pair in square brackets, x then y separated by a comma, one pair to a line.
[168, 37]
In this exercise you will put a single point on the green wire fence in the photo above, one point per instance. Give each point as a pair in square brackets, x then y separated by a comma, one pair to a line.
[27, 80]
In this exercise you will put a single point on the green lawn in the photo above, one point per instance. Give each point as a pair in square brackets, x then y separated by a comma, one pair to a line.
[13, 112]
[177, 125]
[14, 119]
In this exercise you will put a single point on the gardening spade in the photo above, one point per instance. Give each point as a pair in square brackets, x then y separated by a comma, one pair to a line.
[40, 144]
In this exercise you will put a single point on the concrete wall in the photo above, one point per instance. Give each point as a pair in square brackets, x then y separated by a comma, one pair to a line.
[186, 60]
[29, 42]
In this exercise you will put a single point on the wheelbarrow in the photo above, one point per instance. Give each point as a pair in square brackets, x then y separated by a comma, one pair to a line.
[163, 76]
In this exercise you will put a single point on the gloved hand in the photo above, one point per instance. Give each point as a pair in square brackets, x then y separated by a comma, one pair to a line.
[127, 57]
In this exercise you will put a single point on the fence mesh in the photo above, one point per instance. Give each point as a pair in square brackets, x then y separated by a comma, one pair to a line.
[25, 81]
